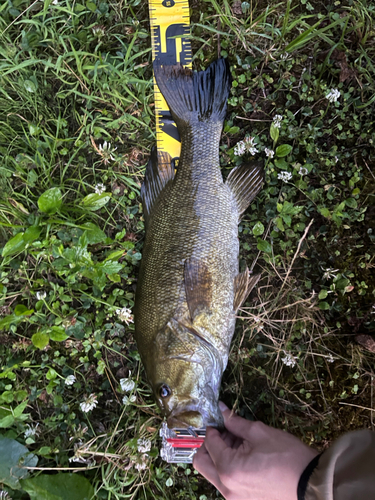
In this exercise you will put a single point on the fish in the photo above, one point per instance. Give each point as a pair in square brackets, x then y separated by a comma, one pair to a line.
[189, 286]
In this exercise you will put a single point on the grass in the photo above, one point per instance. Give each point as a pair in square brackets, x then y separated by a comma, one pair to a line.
[77, 116]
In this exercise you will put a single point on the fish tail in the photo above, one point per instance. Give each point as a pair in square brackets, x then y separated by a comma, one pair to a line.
[195, 97]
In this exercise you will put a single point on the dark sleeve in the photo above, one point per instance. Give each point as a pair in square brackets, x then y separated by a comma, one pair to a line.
[346, 471]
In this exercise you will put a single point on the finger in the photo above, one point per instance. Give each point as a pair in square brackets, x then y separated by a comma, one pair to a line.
[216, 446]
[230, 440]
[236, 425]
[244, 429]
[203, 463]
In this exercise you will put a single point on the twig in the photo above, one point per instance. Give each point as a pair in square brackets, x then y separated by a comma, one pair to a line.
[357, 406]
[296, 253]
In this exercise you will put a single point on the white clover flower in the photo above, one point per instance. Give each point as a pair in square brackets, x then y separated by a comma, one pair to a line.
[98, 30]
[336, 159]
[303, 171]
[89, 403]
[330, 273]
[41, 295]
[250, 145]
[246, 146]
[330, 358]
[284, 176]
[277, 119]
[125, 315]
[239, 148]
[99, 188]
[70, 379]
[144, 445]
[127, 384]
[141, 463]
[4, 495]
[289, 360]
[55, 2]
[106, 150]
[269, 153]
[31, 431]
[333, 95]
[126, 400]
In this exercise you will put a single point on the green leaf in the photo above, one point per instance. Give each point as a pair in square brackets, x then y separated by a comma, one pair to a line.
[44, 450]
[258, 229]
[114, 255]
[111, 267]
[351, 202]
[17, 412]
[5, 423]
[50, 201]
[58, 334]
[29, 86]
[94, 234]
[14, 245]
[324, 306]
[283, 150]
[322, 294]
[60, 486]
[79, 7]
[40, 340]
[95, 201]
[12, 456]
[51, 374]
[21, 310]
[264, 246]
[116, 278]
[325, 212]
[342, 283]
[32, 233]
[279, 224]
[91, 6]
[274, 133]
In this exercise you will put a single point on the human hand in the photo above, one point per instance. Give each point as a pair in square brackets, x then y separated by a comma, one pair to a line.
[252, 461]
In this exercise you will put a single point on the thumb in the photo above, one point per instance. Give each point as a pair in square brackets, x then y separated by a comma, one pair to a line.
[236, 425]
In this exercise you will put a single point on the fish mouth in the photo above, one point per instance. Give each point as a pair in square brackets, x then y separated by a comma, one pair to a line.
[193, 415]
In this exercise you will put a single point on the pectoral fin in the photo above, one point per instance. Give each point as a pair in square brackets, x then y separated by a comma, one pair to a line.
[198, 287]
[159, 172]
[243, 284]
[245, 182]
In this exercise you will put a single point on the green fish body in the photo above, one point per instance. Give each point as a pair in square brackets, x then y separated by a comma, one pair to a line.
[189, 286]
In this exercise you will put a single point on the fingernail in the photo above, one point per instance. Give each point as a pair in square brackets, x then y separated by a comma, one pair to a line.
[223, 407]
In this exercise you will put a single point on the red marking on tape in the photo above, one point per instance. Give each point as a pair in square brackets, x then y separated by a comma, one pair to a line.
[185, 443]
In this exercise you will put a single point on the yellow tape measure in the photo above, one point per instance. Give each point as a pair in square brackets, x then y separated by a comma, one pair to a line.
[170, 27]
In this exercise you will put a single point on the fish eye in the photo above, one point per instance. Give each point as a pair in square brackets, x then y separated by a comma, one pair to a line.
[165, 391]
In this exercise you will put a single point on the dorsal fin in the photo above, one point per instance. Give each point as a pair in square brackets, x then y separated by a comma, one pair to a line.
[243, 284]
[245, 183]
[159, 172]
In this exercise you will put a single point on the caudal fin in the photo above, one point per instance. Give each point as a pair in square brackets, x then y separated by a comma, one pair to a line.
[195, 96]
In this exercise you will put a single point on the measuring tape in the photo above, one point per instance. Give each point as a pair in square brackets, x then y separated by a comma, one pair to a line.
[170, 29]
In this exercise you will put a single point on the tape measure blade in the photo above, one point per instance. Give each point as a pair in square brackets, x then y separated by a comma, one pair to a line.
[170, 29]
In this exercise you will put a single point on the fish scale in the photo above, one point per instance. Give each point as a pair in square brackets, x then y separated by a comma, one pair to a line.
[189, 286]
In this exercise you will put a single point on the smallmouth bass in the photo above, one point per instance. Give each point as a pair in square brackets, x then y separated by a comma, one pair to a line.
[189, 287]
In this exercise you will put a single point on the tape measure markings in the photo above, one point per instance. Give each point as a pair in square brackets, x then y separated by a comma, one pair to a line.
[170, 30]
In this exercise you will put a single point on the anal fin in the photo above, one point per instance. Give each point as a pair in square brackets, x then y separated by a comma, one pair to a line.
[198, 287]
[159, 172]
[243, 284]
[245, 183]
